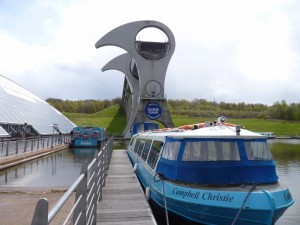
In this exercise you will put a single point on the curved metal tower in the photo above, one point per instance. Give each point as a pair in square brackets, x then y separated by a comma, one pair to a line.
[145, 67]
[131, 83]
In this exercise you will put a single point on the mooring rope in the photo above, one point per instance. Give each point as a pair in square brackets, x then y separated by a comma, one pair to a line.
[161, 177]
[165, 201]
[240, 210]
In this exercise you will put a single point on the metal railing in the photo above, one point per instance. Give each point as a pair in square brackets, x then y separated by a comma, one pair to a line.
[16, 146]
[88, 188]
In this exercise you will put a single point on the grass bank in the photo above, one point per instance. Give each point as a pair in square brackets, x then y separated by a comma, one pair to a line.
[114, 119]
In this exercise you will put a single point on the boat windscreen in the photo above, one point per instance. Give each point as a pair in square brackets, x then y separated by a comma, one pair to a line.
[217, 161]
[210, 151]
[257, 150]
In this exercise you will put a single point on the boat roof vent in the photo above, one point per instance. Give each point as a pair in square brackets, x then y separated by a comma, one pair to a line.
[238, 129]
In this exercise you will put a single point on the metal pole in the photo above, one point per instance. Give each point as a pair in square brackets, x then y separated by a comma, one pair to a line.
[17, 146]
[25, 145]
[52, 138]
[31, 144]
[7, 144]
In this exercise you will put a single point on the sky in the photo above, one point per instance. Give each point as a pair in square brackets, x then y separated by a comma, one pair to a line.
[232, 51]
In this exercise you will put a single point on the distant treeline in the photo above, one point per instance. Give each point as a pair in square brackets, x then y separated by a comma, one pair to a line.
[82, 106]
[195, 108]
[203, 108]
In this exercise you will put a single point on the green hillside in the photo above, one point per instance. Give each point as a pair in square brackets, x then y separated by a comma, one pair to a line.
[279, 127]
[114, 119]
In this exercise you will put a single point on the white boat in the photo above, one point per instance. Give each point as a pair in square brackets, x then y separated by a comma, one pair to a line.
[210, 173]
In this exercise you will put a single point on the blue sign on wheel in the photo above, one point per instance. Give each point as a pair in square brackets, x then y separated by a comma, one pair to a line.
[153, 110]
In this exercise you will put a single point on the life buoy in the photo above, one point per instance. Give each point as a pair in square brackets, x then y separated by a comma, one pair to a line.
[192, 126]
[186, 127]
[95, 134]
[76, 134]
[85, 135]
[161, 129]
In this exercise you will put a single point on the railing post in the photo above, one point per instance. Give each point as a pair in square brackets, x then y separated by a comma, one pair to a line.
[108, 154]
[25, 145]
[79, 215]
[101, 174]
[93, 192]
[7, 147]
[105, 160]
[52, 140]
[38, 143]
[17, 146]
[40, 216]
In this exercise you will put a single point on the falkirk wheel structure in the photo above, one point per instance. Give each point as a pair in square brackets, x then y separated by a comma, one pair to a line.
[144, 65]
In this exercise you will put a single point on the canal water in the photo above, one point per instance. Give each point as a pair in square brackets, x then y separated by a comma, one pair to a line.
[287, 156]
[59, 170]
[62, 169]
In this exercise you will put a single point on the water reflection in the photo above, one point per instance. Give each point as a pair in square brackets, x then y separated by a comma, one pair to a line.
[61, 170]
[287, 156]
[82, 154]
[57, 170]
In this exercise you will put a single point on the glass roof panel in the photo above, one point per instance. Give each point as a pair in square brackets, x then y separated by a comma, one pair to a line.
[3, 133]
[19, 106]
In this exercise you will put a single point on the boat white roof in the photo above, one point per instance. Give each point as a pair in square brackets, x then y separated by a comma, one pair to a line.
[220, 131]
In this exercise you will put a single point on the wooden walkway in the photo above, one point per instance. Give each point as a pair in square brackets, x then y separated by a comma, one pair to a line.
[123, 200]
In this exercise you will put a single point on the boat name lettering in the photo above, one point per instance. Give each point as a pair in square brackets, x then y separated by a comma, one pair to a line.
[86, 143]
[217, 197]
[186, 193]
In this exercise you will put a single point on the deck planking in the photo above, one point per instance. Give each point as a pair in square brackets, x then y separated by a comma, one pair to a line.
[123, 200]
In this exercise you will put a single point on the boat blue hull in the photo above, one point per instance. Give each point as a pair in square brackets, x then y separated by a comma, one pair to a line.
[87, 136]
[215, 205]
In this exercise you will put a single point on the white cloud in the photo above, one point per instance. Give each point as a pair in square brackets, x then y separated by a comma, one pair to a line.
[223, 48]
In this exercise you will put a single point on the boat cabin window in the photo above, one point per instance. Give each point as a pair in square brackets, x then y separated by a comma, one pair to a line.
[146, 149]
[131, 141]
[171, 150]
[140, 147]
[136, 146]
[257, 150]
[154, 153]
[210, 151]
